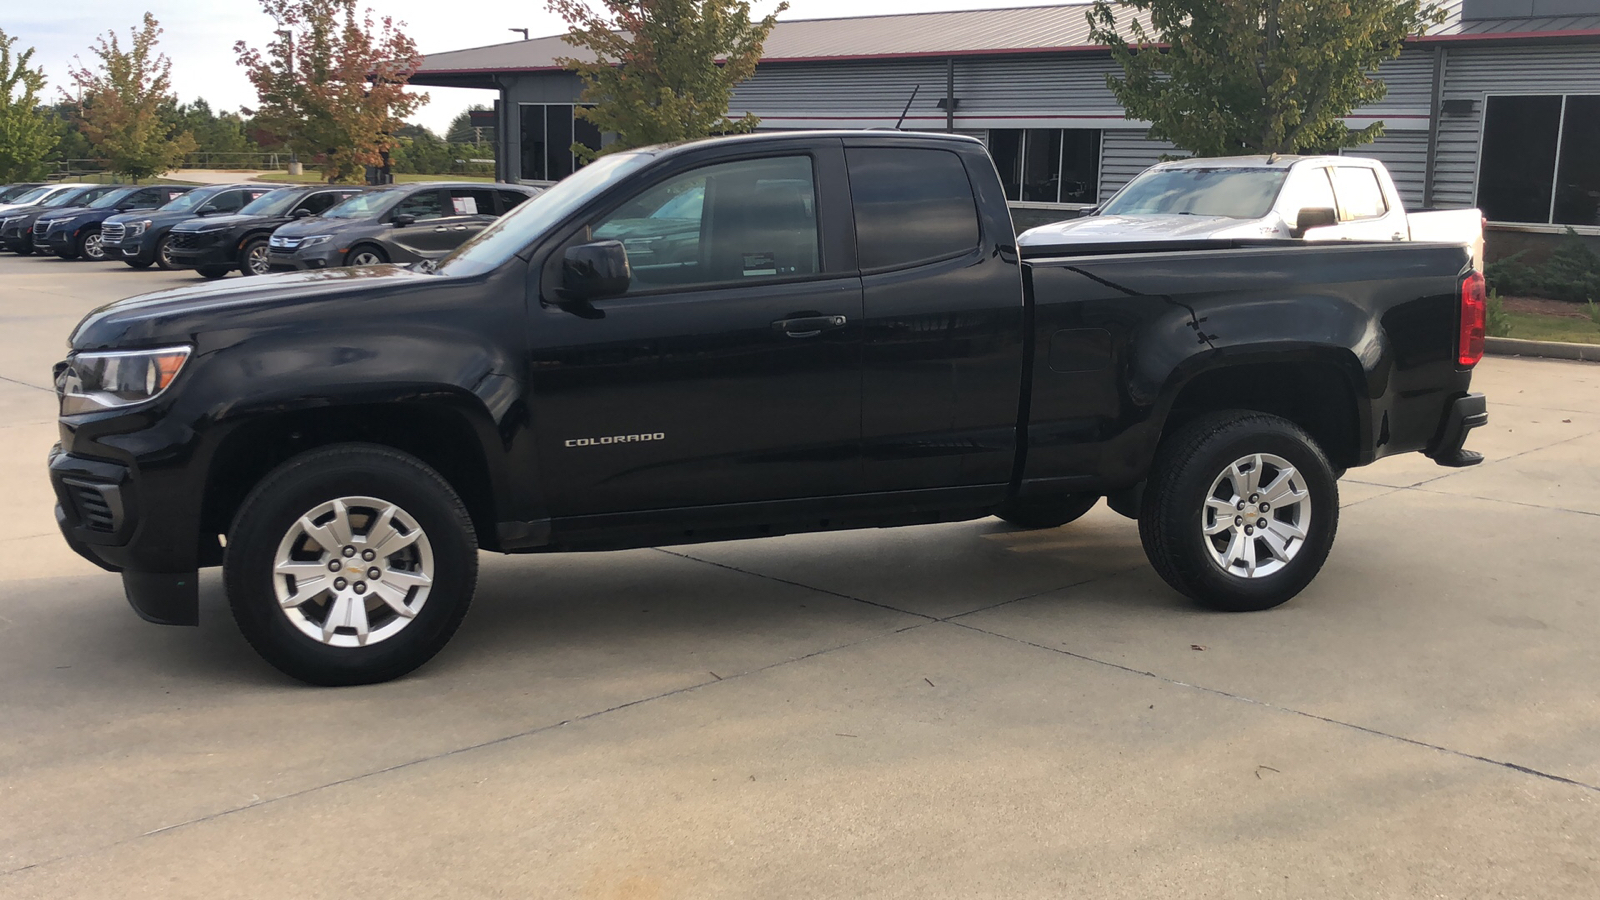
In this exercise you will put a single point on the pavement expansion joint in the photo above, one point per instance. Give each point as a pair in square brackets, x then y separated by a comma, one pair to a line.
[1515, 767]
[27, 384]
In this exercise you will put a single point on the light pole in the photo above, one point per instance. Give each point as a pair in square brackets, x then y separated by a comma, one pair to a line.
[523, 30]
[288, 58]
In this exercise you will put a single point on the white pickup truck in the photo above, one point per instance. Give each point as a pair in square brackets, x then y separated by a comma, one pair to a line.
[1316, 198]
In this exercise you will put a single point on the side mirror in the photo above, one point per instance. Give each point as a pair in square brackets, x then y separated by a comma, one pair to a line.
[402, 220]
[301, 213]
[593, 271]
[1313, 217]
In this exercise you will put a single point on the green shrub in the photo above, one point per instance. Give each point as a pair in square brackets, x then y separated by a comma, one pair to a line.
[1572, 273]
[1594, 312]
[1499, 321]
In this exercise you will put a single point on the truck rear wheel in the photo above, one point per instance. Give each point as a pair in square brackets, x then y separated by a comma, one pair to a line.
[1240, 511]
[352, 564]
[1046, 512]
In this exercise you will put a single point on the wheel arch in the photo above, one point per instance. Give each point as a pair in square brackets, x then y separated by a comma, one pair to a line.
[443, 433]
[1318, 388]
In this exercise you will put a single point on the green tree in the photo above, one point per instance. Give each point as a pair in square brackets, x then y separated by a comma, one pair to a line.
[26, 132]
[213, 132]
[125, 104]
[334, 85]
[662, 70]
[461, 130]
[1218, 77]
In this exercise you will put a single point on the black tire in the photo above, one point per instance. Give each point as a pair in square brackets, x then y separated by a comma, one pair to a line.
[213, 272]
[88, 246]
[271, 513]
[67, 254]
[1174, 513]
[253, 248]
[22, 249]
[1047, 512]
[163, 256]
[137, 263]
[359, 249]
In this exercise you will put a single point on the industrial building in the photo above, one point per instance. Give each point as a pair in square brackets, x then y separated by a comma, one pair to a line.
[1499, 107]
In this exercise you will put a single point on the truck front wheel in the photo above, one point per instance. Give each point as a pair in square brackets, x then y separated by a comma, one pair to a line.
[351, 564]
[1240, 510]
[1046, 512]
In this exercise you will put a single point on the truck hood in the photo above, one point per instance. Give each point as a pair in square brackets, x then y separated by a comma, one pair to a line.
[222, 223]
[180, 314]
[1107, 229]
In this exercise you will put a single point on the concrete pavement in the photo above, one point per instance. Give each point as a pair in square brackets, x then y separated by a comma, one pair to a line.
[946, 711]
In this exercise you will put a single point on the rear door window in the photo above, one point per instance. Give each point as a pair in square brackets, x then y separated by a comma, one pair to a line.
[321, 202]
[510, 200]
[1360, 195]
[911, 206]
[471, 202]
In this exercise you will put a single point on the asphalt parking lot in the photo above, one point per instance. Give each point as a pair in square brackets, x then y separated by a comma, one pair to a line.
[946, 711]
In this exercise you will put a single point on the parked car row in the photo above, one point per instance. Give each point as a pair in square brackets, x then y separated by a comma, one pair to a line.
[251, 228]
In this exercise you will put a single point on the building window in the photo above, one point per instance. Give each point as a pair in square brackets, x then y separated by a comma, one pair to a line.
[547, 133]
[1537, 163]
[1048, 165]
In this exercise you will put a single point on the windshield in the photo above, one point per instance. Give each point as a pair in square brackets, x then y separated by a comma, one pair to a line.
[67, 198]
[514, 231]
[272, 203]
[9, 195]
[188, 201]
[30, 197]
[1233, 192]
[107, 201]
[362, 206]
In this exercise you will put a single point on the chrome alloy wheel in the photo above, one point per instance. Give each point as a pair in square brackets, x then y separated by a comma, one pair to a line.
[366, 258]
[257, 260]
[353, 571]
[1256, 516]
[92, 248]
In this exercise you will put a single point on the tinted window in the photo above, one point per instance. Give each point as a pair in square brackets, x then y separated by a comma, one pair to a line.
[910, 205]
[471, 202]
[147, 198]
[1518, 167]
[321, 202]
[361, 206]
[227, 201]
[272, 203]
[421, 206]
[510, 200]
[1360, 195]
[740, 221]
[1578, 176]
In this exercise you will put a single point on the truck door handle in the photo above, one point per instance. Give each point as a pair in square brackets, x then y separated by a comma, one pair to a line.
[808, 326]
[441, 228]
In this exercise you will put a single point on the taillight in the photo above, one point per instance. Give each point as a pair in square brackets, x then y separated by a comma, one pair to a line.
[1474, 313]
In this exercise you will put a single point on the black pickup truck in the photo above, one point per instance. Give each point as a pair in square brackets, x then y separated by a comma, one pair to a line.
[739, 338]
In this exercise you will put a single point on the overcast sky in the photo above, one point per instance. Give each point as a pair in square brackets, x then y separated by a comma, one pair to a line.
[200, 35]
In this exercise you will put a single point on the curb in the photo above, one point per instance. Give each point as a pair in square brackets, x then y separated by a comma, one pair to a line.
[1543, 349]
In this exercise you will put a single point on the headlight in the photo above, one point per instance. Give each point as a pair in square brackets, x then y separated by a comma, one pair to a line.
[6, 223]
[316, 239]
[91, 382]
[136, 228]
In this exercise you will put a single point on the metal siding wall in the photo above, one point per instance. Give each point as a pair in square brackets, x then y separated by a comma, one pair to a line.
[1409, 80]
[1473, 72]
[1124, 153]
[862, 93]
[1405, 154]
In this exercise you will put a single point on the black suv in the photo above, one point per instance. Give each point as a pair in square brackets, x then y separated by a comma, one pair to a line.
[16, 224]
[140, 239]
[75, 233]
[217, 245]
[402, 224]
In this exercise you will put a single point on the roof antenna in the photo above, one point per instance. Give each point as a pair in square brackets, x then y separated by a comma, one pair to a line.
[903, 112]
[1272, 157]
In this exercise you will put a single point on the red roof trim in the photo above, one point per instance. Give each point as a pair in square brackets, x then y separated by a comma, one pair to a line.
[1503, 36]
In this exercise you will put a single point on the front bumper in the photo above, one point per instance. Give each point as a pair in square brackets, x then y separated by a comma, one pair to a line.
[198, 250]
[16, 237]
[56, 240]
[98, 512]
[1465, 414]
[134, 247]
[321, 256]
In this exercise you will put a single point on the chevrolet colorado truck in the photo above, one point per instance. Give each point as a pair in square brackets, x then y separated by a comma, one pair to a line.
[738, 338]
